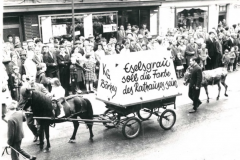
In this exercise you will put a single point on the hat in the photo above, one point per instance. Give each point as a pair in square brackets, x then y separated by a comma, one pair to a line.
[78, 42]
[13, 105]
[15, 67]
[140, 36]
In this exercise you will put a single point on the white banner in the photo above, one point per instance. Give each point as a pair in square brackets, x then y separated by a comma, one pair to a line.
[109, 28]
[88, 25]
[137, 77]
[46, 29]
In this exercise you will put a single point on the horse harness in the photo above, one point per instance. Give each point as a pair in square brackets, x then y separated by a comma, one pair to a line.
[66, 99]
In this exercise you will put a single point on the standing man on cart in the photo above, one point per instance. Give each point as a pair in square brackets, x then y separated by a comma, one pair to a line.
[195, 83]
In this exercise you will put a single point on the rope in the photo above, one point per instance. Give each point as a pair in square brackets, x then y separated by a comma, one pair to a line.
[5, 150]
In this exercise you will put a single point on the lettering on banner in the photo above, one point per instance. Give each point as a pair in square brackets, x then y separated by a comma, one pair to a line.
[105, 82]
[144, 77]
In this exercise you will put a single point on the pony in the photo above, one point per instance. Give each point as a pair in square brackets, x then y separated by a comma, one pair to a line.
[210, 77]
[43, 106]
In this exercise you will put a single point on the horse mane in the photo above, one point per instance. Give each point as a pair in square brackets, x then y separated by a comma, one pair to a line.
[41, 105]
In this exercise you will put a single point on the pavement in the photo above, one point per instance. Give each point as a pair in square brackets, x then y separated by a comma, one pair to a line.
[211, 133]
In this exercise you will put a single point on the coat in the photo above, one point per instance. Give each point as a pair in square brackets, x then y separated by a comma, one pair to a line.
[196, 77]
[120, 36]
[52, 70]
[188, 51]
[15, 128]
[210, 45]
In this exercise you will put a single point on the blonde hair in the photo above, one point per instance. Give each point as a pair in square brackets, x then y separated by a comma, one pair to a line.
[56, 82]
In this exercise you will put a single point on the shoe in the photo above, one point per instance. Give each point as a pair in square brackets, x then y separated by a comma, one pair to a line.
[87, 92]
[91, 92]
[199, 103]
[192, 111]
[35, 139]
[33, 158]
[79, 91]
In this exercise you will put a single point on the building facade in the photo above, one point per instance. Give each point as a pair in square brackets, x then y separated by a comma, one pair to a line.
[194, 13]
[53, 18]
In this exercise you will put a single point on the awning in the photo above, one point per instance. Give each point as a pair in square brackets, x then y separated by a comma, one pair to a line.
[78, 5]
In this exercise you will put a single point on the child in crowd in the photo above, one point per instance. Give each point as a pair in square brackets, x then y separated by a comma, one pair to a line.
[179, 65]
[226, 59]
[203, 55]
[15, 83]
[110, 50]
[236, 59]
[144, 47]
[232, 58]
[57, 93]
[89, 67]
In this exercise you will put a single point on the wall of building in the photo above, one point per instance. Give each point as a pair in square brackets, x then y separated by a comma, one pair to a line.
[168, 8]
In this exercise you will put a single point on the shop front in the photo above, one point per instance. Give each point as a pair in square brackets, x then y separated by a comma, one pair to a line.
[192, 18]
[103, 23]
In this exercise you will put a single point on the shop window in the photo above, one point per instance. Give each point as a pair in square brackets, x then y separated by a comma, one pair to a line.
[60, 26]
[192, 18]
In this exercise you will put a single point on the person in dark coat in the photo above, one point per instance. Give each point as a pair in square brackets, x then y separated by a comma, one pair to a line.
[195, 83]
[15, 132]
[64, 61]
[51, 61]
[15, 83]
[211, 46]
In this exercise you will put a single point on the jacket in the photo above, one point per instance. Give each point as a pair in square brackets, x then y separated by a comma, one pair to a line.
[196, 77]
[15, 128]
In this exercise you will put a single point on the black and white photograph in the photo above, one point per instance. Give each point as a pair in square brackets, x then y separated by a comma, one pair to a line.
[120, 79]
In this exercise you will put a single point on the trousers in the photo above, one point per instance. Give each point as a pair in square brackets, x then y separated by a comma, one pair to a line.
[193, 94]
[15, 155]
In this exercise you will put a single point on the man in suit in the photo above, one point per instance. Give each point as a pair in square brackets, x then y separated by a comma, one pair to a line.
[211, 46]
[49, 58]
[31, 79]
[15, 132]
[64, 61]
[121, 34]
[195, 83]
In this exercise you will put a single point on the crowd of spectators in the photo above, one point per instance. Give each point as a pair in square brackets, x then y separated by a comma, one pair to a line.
[77, 65]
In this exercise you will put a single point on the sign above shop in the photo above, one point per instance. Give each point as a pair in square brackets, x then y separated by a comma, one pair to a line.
[109, 28]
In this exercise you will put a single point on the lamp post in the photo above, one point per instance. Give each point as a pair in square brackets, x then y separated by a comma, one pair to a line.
[73, 22]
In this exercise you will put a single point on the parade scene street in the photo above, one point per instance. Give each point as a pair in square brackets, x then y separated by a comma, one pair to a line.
[122, 80]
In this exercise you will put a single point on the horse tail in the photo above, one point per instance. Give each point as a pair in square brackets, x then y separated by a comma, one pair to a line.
[90, 109]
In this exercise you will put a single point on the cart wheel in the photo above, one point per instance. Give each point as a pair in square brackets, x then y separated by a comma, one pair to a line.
[167, 119]
[113, 116]
[145, 113]
[131, 128]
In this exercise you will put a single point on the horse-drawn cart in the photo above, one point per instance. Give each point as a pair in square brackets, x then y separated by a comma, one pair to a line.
[131, 125]
[141, 84]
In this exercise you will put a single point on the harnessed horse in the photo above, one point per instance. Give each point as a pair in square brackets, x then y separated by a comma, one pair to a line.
[42, 106]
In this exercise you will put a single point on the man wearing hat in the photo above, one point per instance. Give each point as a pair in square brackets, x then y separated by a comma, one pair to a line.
[49, 58]
[15, 132]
